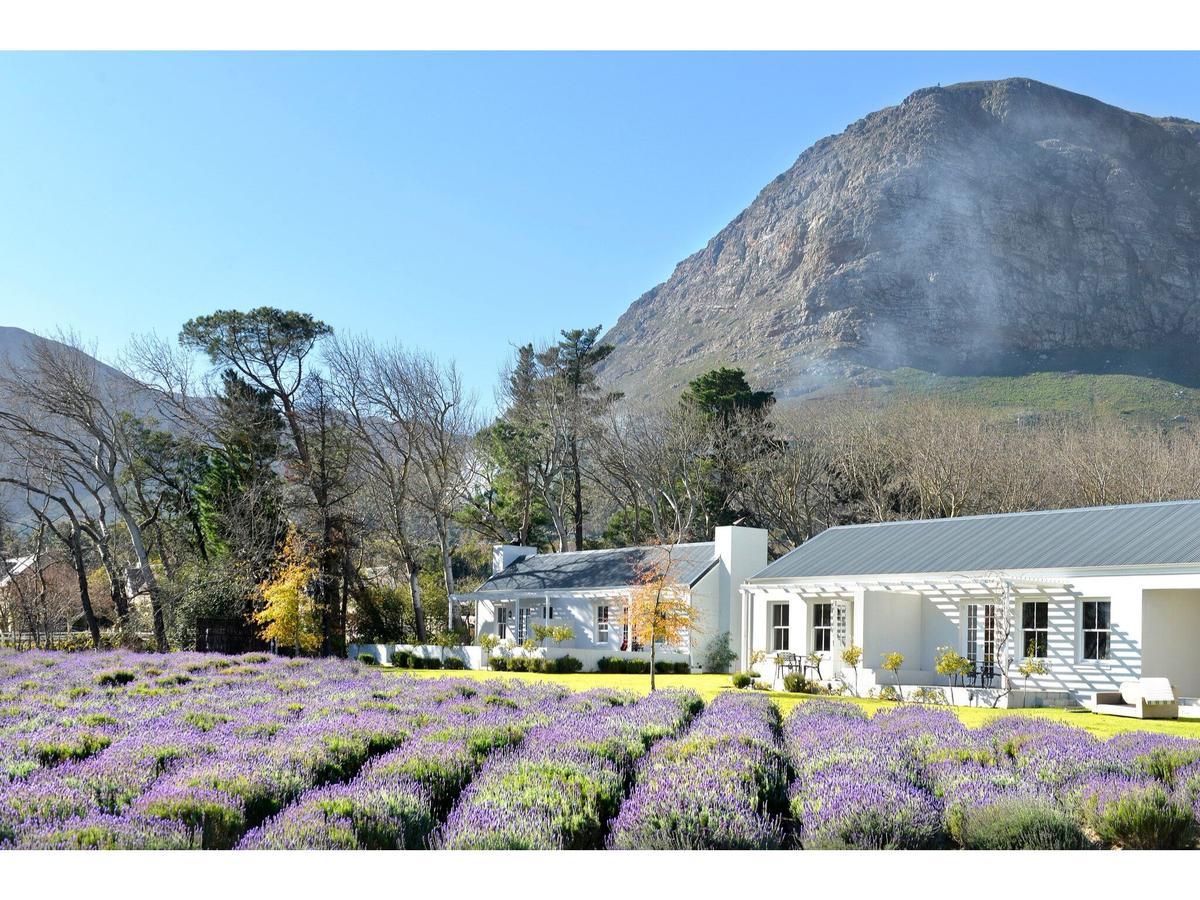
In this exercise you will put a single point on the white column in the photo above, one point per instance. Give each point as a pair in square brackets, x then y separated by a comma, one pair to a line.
[517, 618]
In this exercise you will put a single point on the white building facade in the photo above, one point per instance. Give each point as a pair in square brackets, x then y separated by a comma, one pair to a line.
[590, 591]
[1097, 596]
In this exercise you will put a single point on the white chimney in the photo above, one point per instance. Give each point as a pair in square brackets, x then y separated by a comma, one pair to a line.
[743, 554]
[504, 555]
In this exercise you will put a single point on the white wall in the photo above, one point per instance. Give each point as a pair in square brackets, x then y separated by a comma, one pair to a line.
[742, 554]
[891, 623]
[1170, 631]
[1159, 614]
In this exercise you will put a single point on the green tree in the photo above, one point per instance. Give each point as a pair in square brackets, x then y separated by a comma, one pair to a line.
[724, 392]
[269, 348]
[572, 364]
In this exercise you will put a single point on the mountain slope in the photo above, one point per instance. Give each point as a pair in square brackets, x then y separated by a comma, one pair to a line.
[981, 229]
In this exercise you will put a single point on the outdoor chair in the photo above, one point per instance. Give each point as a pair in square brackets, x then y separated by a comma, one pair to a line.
[1146, 698]
[785, 663]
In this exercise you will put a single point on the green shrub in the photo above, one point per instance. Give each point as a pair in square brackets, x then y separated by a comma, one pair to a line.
[499, 663]
[1019, 823]
[682, 668]
[1145, 819]
[115, 678]
[402, 659]
[742, 680]
[455, 663]
[217, 824]
[434, 663]
[367, 659]
[610, 665]
[795, 683]
[518, 664]
[719, 655]
[637, 666]
[662, 667]
[566, 665]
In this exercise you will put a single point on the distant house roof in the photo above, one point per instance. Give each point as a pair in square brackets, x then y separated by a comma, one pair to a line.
[11, 568]
[590, 569]
[1147, 534]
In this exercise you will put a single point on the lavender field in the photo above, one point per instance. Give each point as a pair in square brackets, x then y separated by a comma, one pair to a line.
[187, 751]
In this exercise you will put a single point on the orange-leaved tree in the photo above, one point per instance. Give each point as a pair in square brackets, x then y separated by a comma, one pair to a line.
[289, 614]
[659, 611]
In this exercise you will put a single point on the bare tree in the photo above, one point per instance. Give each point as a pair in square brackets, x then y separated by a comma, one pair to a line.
[60, 400]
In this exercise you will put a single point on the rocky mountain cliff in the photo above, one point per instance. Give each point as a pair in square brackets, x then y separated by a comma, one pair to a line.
[981, 228]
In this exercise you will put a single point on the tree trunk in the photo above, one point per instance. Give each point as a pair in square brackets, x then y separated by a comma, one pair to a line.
[148, 577]
[85, 598]
[651, 660]
[577, 478]
[414, 586]
[447, 576]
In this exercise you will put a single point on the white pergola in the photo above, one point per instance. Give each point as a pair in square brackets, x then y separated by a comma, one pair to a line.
[999, 585]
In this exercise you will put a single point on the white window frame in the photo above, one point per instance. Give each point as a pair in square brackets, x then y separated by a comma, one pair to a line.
[1081, 631]
[1023, 650]
[523, 626]
[826, 627]
[603, 623]
[776, 629]
[841, 624]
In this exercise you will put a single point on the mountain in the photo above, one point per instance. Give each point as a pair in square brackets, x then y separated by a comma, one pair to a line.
[16, 347]
[991, 230]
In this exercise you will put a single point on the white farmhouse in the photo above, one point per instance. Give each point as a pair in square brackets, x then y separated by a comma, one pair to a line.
[590, 590]
[1101, 595]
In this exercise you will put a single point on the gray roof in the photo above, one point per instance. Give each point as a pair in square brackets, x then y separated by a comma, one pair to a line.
[1146, 534]
[588, 569]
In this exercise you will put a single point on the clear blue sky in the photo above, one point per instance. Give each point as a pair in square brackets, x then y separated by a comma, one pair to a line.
[462, 203]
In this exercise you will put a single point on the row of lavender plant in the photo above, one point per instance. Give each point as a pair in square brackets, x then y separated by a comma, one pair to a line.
[916, 777]
[560, 787]
[399, 797]
[123, 750]
[717, 786]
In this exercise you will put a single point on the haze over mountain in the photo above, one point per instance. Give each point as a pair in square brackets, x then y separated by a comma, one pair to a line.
[981, 229]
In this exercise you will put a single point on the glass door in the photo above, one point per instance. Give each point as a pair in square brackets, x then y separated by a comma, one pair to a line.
[981, 637]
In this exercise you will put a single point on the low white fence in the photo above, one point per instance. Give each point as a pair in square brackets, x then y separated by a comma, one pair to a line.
[473, 657]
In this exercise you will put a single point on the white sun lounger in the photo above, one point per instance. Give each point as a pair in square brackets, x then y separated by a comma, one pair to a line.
[1146, 698]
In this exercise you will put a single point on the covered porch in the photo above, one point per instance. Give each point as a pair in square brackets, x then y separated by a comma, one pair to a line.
[805, 626]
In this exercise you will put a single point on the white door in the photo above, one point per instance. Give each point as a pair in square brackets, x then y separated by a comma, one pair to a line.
[980, 635]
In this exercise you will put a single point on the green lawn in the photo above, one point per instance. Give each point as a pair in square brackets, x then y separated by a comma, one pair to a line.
[708, 686]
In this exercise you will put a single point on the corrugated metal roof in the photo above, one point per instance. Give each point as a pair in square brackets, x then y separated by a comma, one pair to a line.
[588, 569]
[1146, 534]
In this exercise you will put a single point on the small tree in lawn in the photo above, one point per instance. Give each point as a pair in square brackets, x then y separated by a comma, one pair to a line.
[488, 643]
[951, 664]
[852, 656]
[893, 662]
[1029, 667]
[659, 610]
[289, 615]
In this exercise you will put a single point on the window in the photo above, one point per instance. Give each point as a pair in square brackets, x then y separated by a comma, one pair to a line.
[502, 623]
[981, 642]
[1035, 628]
[822, 626]
[625, 642]
[780, 618]
[841, 624]
[523, 623]
[601, 624]
[547, 612]
[1097, 631]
